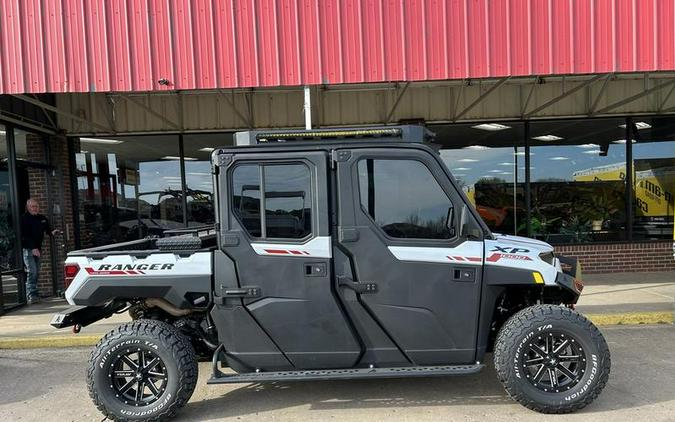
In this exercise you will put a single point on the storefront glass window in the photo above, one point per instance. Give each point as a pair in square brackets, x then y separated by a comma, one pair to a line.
[128, 188]
[7, 232]
[198, 178]
[654, 180]
[29, 147]
[578, 170]
[488, 162]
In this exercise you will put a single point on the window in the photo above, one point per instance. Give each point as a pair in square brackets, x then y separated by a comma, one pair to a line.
[654, 178]
[488, 163]
[404, 199]
[578, 172]
[286, 200]
[199, 182]
[128, 188]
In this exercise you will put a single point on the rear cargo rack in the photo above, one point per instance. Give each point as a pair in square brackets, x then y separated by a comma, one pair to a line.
[403, 133]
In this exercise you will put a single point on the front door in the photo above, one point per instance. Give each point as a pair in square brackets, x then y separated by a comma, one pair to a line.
[398, 225]
[277, 223]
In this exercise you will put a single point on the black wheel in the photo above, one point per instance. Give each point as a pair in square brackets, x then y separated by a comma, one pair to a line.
[142, 371]
[551, 359]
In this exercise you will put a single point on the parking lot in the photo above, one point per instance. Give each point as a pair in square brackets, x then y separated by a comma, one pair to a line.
[49, 384]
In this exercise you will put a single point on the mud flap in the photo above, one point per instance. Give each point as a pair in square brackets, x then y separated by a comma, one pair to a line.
[85, 315]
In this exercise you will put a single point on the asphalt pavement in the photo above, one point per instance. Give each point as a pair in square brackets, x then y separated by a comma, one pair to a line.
[49, 385]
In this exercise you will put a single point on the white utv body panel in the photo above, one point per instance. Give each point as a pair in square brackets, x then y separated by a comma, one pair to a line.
[522, 253]
[169, 266]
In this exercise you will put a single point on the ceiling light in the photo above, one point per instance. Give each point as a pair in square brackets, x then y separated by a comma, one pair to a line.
[558, 158]
[467, 160]
[505, 164]
[505, 172]
[495, 171]
[173, 157]
[521, 153]
[101, 141]
[592, 151]
[198, 174]
[206, 149]
[547, 138]
[638, 125]
[492, 127]
[461, 169]
[477, 147]
[623, 141]
[588, 146]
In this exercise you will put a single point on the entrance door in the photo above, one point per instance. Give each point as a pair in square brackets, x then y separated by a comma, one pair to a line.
[11, 266]
[399, 218]
[279, 239]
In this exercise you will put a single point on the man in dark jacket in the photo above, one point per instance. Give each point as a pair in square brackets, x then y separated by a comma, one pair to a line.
[33, 227]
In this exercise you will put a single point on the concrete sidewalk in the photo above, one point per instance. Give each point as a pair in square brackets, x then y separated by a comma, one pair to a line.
[607, 299]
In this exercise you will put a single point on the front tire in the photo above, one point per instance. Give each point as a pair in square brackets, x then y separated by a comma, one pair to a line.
[144, 370]
[551, 359]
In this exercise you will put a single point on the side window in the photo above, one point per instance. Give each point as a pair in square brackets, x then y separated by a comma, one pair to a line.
[286, 200]
[404, 199]
[246, 197]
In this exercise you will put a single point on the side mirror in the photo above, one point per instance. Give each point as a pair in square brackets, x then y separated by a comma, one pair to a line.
[450, 221]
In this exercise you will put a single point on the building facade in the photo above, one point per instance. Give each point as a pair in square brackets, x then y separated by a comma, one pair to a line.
[556, 117]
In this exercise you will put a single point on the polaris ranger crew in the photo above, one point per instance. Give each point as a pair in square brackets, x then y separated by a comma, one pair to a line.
[337, 254]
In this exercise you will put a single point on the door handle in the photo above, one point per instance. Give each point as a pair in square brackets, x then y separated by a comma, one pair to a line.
[361, 288]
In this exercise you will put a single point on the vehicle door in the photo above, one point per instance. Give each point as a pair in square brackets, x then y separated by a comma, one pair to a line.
[278, 237]
[399, 223]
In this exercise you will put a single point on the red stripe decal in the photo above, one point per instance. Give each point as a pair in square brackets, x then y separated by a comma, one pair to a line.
[494, 257]
[474, 259]
[92, 271]
[459, 258]
[296, 252]
[277, 251]
[450, 258]
[306, 253]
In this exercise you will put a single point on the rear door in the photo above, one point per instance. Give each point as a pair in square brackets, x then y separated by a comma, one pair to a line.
[276, 231]
[399, 225]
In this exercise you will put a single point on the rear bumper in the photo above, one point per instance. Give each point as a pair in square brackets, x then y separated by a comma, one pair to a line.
[84, 315]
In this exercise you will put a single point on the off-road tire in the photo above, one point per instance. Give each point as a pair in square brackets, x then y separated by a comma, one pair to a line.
[162, 340]
[542, 320]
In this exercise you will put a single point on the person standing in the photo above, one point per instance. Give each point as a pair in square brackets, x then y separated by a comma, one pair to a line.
[33, 228]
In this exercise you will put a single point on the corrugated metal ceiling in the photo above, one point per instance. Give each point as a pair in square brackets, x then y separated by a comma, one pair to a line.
[130, 45]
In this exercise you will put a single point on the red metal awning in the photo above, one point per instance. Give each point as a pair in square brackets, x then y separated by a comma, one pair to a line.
[129, 45]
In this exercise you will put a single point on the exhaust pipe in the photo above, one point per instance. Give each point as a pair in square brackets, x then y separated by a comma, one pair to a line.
[167, 307]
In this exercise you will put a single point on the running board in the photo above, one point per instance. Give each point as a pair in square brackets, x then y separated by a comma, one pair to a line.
[346, 374]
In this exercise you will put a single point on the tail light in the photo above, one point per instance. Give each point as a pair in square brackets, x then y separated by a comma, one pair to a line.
[69, 273]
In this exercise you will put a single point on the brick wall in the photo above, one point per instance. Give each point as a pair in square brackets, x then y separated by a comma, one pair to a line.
[622, 257]
[52, 189]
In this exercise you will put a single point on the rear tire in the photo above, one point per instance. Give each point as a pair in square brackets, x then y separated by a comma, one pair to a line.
[144, 370]
[551, 359]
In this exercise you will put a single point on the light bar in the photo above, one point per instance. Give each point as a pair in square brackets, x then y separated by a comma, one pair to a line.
[263, 136]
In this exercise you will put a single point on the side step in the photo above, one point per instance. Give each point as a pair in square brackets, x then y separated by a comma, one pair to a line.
[346, 374]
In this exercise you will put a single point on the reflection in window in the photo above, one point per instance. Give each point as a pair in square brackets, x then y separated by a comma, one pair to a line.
[198, 178]
[128, 188]
[489, 166]
[287, 201]
[654, 185]
[246, 197]
[577, 181]
[404, 199]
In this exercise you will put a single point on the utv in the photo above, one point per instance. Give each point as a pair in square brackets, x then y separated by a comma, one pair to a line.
[337, 254]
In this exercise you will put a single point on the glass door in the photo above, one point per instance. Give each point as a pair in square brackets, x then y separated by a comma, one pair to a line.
[11, 268]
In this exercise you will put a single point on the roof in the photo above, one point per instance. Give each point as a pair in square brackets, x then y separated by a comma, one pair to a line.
[155, 45]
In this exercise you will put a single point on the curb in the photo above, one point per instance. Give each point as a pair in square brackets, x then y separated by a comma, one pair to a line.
[631, 318]
[47, 342]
